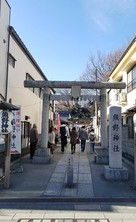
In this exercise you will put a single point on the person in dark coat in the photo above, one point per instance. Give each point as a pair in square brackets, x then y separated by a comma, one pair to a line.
[83, 136]
[64, 133]
[63, 136]
[73, 139]
[33, 140]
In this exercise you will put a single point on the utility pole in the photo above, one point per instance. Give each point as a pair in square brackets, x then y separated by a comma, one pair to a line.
[96, 111]
[7, 160]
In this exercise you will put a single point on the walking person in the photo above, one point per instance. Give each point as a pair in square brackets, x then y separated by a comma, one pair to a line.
[73, 139]
[64, 133]
[83, 136]
[92, 140]
[33, 140]
[67, 133]
[51, 140]
[56, 136]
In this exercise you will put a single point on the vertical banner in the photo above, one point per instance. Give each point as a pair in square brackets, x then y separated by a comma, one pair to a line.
[58, 122]
[16, 133]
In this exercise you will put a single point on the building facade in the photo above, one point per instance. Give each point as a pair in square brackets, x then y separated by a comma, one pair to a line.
[4, 46]
[125, 71]
[16, 65]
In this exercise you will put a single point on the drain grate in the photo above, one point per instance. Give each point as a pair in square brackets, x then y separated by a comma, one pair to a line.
[62, 220]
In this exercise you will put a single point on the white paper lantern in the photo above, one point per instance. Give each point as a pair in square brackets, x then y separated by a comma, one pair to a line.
[5, 121]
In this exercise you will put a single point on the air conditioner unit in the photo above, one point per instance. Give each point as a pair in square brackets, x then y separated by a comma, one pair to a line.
[122, 97]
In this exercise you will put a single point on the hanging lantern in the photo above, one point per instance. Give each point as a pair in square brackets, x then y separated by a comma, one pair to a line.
[6, 119]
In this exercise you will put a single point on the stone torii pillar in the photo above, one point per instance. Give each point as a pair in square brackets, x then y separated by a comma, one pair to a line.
[42, 154]
[102, 155]
[104, 140]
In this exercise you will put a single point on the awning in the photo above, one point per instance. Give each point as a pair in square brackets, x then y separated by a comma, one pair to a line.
[8, 106]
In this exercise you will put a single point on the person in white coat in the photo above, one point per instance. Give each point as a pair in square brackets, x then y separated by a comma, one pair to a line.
[64, 133]
[92, 140]
[51, 139]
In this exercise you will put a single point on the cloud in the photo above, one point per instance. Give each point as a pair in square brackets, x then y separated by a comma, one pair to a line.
[96, 15]
[103, 13]
[102, 22]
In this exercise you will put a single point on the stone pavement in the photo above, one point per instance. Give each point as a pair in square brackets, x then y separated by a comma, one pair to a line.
[82, 180]
[49, 180]
[39, 192]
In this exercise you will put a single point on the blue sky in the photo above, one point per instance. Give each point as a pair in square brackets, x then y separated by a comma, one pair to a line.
[61, 34]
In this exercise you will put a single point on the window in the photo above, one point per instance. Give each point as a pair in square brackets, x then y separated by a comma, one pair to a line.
[36, 91]
[28, 77]
[117, 92]
[11, 60]
[131, 79]
[41, 93]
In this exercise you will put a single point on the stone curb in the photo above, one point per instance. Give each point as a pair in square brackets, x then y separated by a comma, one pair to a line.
[79, 200]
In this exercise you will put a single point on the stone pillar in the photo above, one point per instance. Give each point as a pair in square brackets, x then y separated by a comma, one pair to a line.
[115, 170]
[104, 140]
[101, 154]
[115, 138]
[42, 154]
[70, 172]
[7, 160]
[45, 118]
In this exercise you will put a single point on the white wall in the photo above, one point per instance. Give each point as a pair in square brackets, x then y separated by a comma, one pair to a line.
[4, 24]
[31, 104]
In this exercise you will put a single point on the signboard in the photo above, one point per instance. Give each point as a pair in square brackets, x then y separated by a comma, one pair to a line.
[115, 138]
[16, 133]
[6, 118]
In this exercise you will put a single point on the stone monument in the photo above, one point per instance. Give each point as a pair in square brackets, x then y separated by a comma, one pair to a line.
[70, 172]
[115, 170]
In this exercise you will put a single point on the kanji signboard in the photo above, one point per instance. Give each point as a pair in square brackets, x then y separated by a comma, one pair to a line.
[6, 118]
[16, 133]
[115, 138]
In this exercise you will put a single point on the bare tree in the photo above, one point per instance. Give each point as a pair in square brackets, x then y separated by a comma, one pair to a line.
[100, 66]
[64, 104]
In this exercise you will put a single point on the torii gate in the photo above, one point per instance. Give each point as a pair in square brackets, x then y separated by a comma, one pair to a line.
[42, 155]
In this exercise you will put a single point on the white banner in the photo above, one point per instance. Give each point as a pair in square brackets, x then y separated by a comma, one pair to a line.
[16, 133]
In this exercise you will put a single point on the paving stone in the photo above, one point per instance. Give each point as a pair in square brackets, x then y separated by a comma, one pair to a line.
[87, 207]
[84, 169]
[60, 169]
[53, 189]
[85, 190]
[84, 178]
